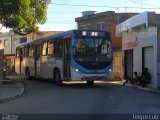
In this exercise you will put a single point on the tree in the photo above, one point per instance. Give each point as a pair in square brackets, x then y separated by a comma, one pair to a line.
[23, 16]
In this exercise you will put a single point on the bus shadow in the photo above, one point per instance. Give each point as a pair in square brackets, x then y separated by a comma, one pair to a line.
[83, 85]
[41, 80]
[71, 84]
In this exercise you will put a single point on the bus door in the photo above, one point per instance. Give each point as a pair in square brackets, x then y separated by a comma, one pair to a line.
[37, 60]
[21, 59]
[66, 59]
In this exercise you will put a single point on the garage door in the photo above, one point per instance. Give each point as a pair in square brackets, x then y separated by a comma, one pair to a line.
[128, 64]
[148, 58]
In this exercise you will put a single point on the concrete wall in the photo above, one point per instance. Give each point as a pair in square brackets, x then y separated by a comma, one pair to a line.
[11, 37]
[117, 65]
[158, 57]
[41, 34]
[7, 49]
[146, 37]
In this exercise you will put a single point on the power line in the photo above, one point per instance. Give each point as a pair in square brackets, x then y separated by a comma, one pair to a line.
[65, 12]
[78, 5]
[143, 3]
[74, 5]
[52, 23]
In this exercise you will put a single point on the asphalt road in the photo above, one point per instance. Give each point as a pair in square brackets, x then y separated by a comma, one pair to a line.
[45, 97]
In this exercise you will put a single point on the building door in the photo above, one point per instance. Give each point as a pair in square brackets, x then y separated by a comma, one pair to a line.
[37, 60]
[128, 65]
[66, 61]
[147, 60]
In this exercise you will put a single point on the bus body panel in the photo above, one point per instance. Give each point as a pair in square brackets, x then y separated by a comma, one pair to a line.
[43, 67]
[32, 66]
[25, 64]
[38, 67]
[48, 64]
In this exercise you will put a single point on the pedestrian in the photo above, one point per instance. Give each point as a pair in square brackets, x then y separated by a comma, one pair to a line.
[134, 80]
[145, 77]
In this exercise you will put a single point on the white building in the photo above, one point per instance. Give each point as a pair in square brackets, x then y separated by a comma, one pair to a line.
[141, 45]
[9, 41]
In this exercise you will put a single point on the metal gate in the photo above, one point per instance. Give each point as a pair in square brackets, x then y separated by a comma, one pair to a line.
[148, 58]
[128, 68]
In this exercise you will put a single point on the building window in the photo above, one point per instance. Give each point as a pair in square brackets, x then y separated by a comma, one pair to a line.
[15, 41]
[84, 27]
[6, 42]
[101, 26]
[23, 39]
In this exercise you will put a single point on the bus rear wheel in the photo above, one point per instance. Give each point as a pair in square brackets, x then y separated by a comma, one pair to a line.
[90, 83]
[58, 78]
[28, 74]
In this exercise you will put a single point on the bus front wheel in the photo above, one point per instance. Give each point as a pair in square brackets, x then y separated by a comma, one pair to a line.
[90, 83]
[58, 77]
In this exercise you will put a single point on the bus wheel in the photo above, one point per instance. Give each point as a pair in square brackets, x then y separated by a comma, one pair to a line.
[58, 78]
[90, 83]
[28, 74]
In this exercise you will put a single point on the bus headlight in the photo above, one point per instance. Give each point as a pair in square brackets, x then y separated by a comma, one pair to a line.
[110, 70]
[77, 70]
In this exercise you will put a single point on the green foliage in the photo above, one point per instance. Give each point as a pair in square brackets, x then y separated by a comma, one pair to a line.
[23, 16]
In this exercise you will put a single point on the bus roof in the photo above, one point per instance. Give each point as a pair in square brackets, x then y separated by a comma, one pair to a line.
[51, 37]
[44, 38]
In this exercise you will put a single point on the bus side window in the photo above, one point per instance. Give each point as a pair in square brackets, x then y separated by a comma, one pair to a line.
[50, 48]
[44, 48]
[26, 51]
[55, 51]
[58, 47]
[31, 50]
[38, 51]
[18, 52]
[22, 54]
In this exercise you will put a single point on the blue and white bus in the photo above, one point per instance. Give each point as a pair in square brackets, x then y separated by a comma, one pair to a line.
[75, 55]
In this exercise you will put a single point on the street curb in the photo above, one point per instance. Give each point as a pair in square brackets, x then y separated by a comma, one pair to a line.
[153, 90]
[20, 93]
[145, 88]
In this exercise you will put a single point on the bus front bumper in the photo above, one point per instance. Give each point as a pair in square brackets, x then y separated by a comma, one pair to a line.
[90, 77]
[98, 78]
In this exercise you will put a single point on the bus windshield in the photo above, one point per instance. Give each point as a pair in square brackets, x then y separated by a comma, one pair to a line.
[92, 50]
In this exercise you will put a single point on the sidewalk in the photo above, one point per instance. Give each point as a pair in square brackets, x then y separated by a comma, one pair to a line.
[136, 86]
[10, 90]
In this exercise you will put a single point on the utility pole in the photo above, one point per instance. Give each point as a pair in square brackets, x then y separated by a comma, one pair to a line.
[141, 5]
[11, 34]
[1, 65]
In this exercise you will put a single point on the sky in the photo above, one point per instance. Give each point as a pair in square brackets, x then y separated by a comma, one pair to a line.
[62, 13]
